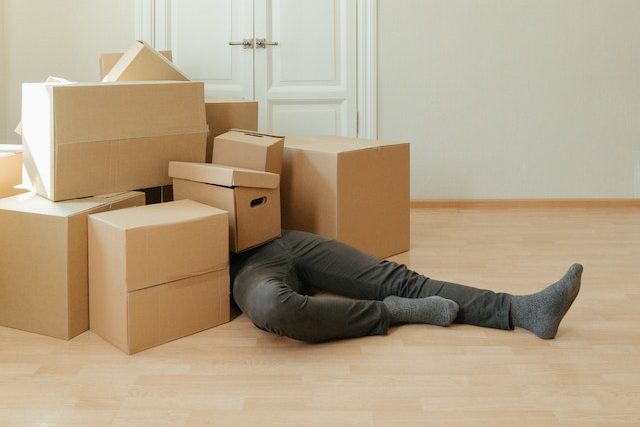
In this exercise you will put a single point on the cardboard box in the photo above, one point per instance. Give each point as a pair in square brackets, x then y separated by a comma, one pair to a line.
[249, 150]
[226, 114]
[108, 60]
[10, 170]
[83, 139]
[142, 62]
[252, 199]
[43, 261]
[352, 190]
[158, 273]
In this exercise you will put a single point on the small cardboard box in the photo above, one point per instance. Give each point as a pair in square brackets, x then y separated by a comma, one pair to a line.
[142, 62]
[43, 261]
[226, 114]
[252, 199]
[108, 60]
[249, 150]
[158, 273]
[83, 139]
[352, 190]
[10, 170]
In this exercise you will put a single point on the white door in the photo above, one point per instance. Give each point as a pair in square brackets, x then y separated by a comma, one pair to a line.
[305, 84]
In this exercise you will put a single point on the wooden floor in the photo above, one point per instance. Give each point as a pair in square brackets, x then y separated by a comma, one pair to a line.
[417, 375]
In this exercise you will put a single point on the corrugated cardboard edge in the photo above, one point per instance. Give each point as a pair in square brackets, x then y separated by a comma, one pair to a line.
[176, 171]
[252, 132]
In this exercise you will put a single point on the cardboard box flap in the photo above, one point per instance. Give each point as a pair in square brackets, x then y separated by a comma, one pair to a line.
[109, 59]
[227, 176]
[158, 214]
[33, 203]
[86, 111]
[337, 144]
[142, 62]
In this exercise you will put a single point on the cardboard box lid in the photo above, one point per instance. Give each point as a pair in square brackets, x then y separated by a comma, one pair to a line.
[33, 203]
[158, 214]
[142, 62]
[102, 103]
[227, 176]
[338, 144]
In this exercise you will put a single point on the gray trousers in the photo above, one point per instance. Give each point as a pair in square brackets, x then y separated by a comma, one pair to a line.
[272, 285]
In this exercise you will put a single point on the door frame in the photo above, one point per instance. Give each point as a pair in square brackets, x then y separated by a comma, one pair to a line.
[153, 25]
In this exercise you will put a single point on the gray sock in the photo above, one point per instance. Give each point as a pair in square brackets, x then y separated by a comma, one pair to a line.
[433, 310]
[542, 312]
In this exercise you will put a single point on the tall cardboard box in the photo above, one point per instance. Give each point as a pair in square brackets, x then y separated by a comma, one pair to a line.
[10, 170]
[158, 273]
[249, 150]
[108, 60]
[43, 261]
[252, 199]
[83, 139]
[352, 190]
[142, 62]
[226, 114]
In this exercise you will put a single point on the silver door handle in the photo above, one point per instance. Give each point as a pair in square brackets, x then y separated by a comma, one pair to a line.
[263, 43]
[245, 43]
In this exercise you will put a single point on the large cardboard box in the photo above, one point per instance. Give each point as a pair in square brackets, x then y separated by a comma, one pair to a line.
[158, 273]
[108, 60]
[252, 199]
[43, 261]
[10, 170]
[352, 190]
[226, 114]
[249, 150]
[83, 139]
[142, 62]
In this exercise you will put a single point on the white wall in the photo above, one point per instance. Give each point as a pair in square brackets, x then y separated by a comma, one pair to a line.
[60, 38]
[3, 95]
[513, 98]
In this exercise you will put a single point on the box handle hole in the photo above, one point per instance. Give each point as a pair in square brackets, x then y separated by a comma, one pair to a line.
[258, 202]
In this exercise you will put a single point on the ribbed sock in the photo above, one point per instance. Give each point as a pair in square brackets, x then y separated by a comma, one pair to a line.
[432, 310]
[542, 312]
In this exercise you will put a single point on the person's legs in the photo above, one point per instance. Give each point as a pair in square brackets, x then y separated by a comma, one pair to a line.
[266, 288]
[341, 269]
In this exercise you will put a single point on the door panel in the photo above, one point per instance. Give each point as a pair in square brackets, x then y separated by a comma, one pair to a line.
[306, 85]
[200, 34]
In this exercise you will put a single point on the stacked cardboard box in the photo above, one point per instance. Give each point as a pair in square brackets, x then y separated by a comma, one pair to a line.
[251, 197]
[243, 179]
[85, 139]
[224, 115]
[352, 190]
[43, 261]
[158, 273]
[10, 170]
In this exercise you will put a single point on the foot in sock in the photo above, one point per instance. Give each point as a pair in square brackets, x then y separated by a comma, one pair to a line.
[542, 312]
[432, 310]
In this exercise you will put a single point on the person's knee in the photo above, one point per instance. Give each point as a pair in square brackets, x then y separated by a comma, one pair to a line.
[269, 306]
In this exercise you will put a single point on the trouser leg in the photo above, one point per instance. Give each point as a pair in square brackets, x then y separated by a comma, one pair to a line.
[338, 268]
[266, 289]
